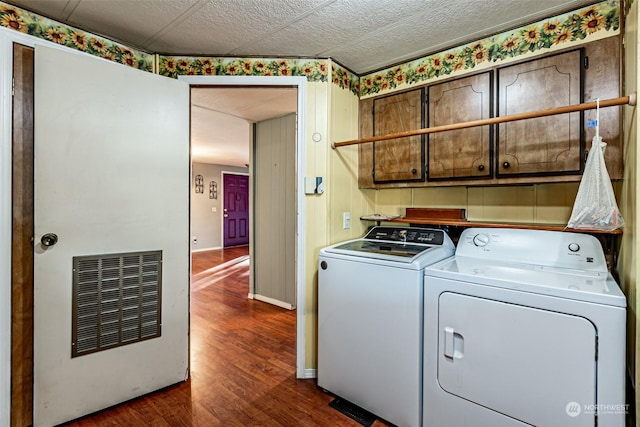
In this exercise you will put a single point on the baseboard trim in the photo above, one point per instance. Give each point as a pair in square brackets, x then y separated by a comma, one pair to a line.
[205, 249]
[273, 301]
[310, 374]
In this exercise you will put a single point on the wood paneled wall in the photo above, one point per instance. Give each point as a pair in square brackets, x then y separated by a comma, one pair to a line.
[275, 210]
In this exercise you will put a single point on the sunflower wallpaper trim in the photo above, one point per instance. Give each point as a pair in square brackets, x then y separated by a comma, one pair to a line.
[596, 21]
[43, 28]
[173, 66]
[553, 33]
[345, 79]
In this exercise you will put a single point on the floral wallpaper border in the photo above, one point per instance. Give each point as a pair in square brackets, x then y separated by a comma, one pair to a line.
[555, 32]
[345, 79]
[38, 26]
[315, 70]
[577, 25]
[312, 69]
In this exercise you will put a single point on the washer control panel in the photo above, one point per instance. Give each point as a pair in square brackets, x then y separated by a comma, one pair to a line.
[538, 247]
[407, 235]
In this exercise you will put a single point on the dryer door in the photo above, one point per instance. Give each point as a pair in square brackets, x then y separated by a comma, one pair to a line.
[533, 365]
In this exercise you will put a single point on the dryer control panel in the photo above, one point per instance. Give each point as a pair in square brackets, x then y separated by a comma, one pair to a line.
[539, 247]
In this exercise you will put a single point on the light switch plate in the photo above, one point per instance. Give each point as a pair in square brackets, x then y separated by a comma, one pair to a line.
[309, 185]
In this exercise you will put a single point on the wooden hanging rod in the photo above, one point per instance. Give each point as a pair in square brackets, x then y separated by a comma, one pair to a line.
[625, 100]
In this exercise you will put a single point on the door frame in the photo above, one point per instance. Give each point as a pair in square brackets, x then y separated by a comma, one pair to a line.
[221, 192]
[301, 84]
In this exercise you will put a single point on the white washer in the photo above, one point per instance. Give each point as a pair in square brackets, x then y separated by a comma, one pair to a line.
[524, 327]
[370, 296]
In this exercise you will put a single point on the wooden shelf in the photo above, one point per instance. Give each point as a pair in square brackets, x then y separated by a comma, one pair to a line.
[457, 218]
[468, 224]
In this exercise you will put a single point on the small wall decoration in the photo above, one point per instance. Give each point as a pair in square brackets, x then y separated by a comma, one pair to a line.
[199, 184]
[213, 190]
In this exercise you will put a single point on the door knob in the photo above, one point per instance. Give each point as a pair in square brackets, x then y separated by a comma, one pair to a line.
[225, 215]
[49, 239]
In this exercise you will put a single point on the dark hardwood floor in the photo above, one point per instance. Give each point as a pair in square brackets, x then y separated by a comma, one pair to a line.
[243, 356]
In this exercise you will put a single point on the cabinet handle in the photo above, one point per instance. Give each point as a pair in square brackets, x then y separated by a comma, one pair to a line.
[481, 167]
[414, 171]
[506, 165]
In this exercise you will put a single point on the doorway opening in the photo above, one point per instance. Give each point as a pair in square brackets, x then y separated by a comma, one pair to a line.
[233, 104]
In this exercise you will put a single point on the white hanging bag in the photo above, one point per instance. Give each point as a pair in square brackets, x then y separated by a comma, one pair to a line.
[595, 207]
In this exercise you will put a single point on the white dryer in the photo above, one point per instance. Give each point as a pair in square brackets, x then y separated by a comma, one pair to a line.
[523, 327]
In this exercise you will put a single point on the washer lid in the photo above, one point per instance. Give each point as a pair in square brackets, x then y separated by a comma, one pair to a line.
[414, 257]
[589, 286]
[404, 250]
[413, 247]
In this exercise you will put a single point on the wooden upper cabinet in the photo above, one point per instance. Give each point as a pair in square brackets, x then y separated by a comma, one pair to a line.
[602, 80]
[531, 151]
[543, 145]
[398, 159]
[462, 153]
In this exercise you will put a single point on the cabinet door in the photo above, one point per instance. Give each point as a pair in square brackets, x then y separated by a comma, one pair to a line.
[543, 145]
[462, 153]
[398, 159]
[602, 80]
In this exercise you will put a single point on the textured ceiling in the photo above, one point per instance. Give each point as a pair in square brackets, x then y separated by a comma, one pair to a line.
[362, 35]
[221, 120]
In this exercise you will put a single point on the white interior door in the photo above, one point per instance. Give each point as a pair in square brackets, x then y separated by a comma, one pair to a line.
[111, 177]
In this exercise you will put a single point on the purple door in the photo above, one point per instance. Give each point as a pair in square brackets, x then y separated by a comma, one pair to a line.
[236, 210]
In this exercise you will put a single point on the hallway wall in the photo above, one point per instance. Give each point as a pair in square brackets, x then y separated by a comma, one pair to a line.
[206, 225]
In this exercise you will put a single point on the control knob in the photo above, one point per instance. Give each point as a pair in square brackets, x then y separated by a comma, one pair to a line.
[481, 240]
[574, 247]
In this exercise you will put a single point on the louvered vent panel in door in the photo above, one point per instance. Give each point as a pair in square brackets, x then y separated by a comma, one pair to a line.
[116, 300]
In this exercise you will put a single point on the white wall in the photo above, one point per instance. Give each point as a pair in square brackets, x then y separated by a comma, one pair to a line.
[206, 225]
